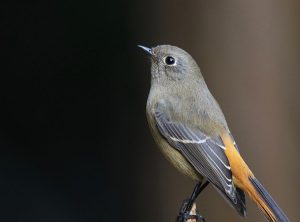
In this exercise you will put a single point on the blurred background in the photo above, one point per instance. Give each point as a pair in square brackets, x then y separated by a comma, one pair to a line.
[74, 141]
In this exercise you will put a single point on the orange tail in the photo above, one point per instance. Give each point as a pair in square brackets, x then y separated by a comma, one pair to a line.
[244, 179]
[265, 202]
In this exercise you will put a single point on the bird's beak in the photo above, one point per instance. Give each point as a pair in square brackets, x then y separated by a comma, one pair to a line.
[148, 50]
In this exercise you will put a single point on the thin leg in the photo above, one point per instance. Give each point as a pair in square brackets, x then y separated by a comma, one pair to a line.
[197, 190]
[186, 207]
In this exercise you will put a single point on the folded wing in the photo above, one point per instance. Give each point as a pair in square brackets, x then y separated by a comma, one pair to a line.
[206, 154]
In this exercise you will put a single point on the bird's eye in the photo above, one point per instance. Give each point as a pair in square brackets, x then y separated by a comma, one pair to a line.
[169, 60]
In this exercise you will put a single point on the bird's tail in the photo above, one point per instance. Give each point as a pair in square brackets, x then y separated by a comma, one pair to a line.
[244, 179]
[265, 202]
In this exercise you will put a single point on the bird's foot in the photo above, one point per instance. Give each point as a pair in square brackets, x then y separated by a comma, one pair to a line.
[186, 217]
[189, 215]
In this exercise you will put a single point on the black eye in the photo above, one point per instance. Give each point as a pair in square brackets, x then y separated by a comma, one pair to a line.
[169, 60]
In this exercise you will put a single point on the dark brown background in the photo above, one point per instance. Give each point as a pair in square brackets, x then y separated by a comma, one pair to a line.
[74, 141]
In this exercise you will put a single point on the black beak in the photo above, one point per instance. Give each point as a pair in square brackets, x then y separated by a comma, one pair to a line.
[148, 50]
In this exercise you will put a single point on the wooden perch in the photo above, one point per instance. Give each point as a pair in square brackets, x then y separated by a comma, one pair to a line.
[192, 217]
[193, 212]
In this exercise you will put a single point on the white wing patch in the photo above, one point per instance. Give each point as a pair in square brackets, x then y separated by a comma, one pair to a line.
[221, 146]
[225, 165]
[188, 141]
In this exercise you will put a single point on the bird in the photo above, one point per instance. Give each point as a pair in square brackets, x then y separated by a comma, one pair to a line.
[191, 131]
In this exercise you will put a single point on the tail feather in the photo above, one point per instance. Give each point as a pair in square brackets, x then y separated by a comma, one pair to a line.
[266, 203]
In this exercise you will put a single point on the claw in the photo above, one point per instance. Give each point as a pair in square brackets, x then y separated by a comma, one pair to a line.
[191, 218]
[188, 215]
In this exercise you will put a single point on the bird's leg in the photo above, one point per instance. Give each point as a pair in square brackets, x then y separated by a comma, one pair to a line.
[197, 190]
[186, 207]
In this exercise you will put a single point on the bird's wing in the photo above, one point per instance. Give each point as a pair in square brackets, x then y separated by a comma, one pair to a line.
[206, 154]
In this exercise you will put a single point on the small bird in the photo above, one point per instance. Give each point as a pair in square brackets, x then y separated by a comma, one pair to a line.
[191, 131]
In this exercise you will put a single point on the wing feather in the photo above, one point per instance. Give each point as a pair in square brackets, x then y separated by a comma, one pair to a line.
[206, 154]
